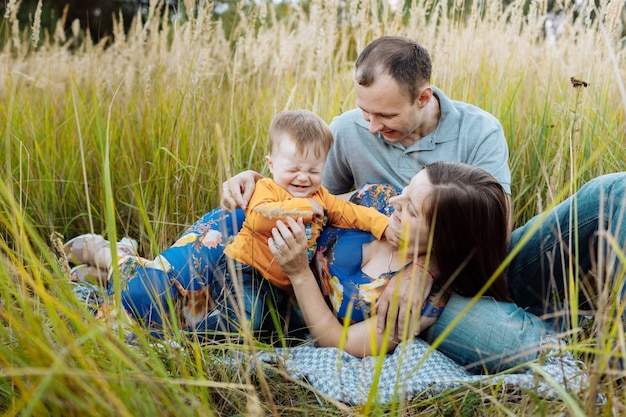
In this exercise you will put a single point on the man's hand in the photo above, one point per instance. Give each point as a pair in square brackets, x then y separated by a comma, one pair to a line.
[405, 293]
[236, 191]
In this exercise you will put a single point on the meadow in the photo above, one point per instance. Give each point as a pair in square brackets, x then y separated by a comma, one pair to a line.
[135, 137]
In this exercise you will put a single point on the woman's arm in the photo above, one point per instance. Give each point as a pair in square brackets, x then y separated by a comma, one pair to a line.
[288, 246]
[358, 339]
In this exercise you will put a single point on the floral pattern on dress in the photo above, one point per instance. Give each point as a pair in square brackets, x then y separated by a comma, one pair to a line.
[212, 239]
[351, 293]
[184, 269]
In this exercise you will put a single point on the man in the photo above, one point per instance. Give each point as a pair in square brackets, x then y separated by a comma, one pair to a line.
[402, 123]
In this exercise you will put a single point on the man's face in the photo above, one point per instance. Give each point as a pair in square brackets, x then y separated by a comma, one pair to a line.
[389, 110]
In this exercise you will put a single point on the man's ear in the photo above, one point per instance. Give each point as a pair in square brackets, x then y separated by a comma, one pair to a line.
[424, 96]
[270, 164]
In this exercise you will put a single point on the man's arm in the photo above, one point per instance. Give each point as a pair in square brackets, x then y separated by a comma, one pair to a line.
[236, 191]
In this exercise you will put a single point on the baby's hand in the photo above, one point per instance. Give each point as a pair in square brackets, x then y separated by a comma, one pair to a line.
[392, 235]
[317, 208]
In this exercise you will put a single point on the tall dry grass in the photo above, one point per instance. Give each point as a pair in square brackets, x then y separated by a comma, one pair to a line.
[136, 138]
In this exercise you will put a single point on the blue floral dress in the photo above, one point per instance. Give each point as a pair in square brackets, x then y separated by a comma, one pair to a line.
[182, 274]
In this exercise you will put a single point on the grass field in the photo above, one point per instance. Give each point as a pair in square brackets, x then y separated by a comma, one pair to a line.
[135, 139]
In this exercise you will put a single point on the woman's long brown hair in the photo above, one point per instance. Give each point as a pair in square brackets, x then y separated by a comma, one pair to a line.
[469, 212]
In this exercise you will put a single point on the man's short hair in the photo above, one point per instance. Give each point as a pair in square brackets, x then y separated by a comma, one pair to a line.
[402, 58]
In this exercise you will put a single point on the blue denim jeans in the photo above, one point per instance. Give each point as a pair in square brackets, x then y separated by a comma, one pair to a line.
[574, 232]
[495, 335]
[490, 336]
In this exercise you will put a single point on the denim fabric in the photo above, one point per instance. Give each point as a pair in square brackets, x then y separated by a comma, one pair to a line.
[571, 232]
[490, 336]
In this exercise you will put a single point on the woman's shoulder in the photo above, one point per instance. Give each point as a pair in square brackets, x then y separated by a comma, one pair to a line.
[376, 196]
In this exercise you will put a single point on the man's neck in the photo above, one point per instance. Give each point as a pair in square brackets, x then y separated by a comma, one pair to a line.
[432, 112]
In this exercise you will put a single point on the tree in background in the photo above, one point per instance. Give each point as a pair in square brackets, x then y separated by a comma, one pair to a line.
[97, 17]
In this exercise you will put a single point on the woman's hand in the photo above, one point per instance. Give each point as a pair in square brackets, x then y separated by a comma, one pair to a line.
[238, 189]
[402, 299]
[289, 246]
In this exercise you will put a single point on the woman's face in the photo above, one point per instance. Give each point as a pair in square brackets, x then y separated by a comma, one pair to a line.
[408, 217]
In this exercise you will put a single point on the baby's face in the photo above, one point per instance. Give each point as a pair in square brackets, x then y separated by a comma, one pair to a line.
[298, 173]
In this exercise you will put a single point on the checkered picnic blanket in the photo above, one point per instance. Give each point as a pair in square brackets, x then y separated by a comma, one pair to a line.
[414, 369]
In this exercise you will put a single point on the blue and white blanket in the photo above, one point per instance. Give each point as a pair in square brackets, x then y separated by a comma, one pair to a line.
[414, 369]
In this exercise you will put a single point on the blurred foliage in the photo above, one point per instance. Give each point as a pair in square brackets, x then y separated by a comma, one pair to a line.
[97, 17]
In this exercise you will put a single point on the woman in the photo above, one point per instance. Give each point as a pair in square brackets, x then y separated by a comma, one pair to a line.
[464, 204]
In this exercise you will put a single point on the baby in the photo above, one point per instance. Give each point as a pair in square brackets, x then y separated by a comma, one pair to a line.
[248, 276]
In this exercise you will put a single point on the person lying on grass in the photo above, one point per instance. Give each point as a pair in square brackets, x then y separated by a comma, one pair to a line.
[448, 211]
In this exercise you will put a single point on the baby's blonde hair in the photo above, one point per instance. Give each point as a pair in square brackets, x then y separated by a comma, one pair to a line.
[306, 129]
